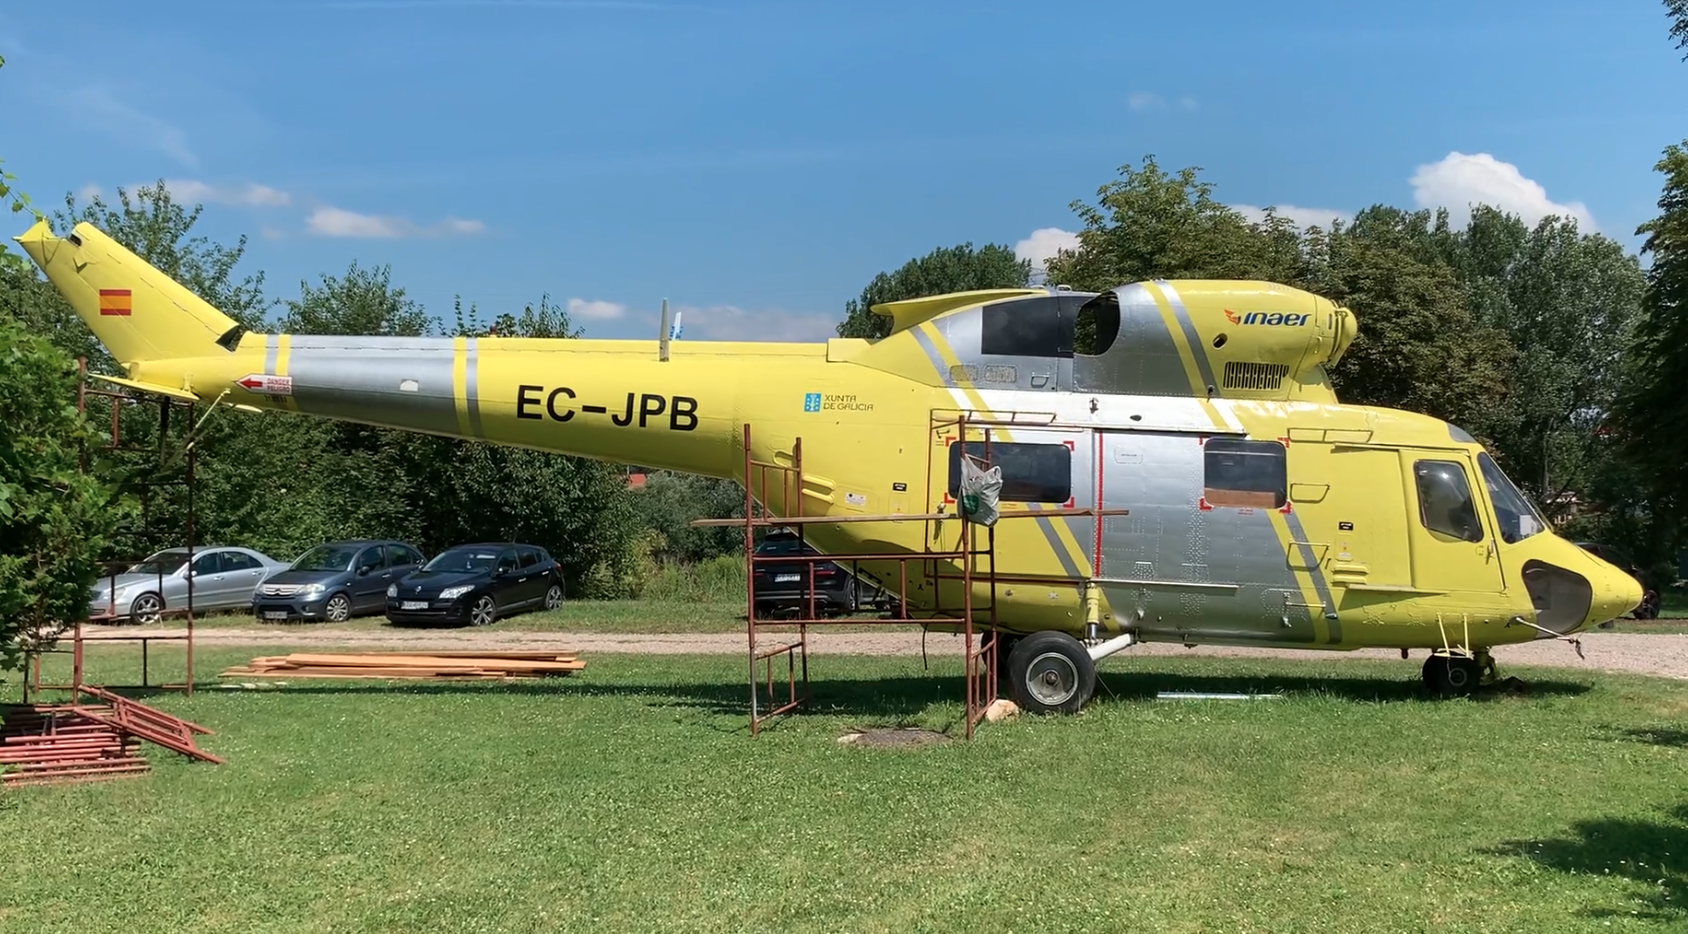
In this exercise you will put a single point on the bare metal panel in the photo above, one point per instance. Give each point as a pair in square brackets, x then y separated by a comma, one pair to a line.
[340, 377]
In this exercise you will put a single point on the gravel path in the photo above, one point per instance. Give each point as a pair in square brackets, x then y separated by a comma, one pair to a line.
[1637, 653]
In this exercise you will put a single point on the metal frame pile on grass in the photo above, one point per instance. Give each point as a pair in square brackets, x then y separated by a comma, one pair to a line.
[52, 743]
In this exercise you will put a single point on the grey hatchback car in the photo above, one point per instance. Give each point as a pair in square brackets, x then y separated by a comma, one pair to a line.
[335, 581]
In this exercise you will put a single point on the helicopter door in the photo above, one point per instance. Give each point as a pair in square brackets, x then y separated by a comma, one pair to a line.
[1453, 548]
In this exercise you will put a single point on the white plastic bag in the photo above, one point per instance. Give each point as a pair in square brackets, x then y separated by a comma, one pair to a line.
[980, 492]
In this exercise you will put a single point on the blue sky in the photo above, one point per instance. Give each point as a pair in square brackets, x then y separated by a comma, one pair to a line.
[758, 162]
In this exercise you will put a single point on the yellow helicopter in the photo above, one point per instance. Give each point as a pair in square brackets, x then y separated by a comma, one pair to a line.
[1190, 474]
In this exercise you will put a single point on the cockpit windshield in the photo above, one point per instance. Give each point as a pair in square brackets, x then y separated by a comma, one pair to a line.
[1517, 517]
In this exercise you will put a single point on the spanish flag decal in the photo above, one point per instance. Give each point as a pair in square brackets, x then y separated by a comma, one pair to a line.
[115, 302]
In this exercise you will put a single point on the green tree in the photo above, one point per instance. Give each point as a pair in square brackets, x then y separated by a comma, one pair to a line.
[1418, 347]
[1677, 10]
[958, 268]
[670, 502]
[362, 302]
[1652, 411]
[53, 514]
[1150, 224]
[1568, 302]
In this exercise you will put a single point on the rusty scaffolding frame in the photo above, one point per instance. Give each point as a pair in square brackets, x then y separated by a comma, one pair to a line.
[114, 444]
[981, 661]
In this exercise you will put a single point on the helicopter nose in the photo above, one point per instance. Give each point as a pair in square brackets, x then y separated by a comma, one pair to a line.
[1615, 593]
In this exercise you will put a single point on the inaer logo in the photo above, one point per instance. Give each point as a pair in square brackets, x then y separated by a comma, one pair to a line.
[1267, 318]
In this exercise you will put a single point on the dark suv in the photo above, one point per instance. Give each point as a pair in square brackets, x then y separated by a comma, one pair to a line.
[1618, 558]
[477, 584]
[784, 587]
[335, 581]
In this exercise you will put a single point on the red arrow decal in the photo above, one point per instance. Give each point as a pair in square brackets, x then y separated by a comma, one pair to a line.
[251, 383]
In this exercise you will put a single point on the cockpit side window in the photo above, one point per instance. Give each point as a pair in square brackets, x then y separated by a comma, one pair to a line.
[1444, 500]
[1515, 516]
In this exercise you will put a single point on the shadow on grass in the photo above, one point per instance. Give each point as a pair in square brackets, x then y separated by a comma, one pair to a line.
[897, 698]
[1648, 853]
[1653, 736]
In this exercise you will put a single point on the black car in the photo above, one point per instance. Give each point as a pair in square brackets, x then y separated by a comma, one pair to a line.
[335, 581]
[784, 588]
[476, 584]
[1618, 558]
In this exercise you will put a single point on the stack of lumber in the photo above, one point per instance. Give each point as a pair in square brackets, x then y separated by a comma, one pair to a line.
[448, 665]
[50, 743]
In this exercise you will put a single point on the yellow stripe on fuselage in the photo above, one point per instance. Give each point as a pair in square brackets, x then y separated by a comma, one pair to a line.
[1186, 354]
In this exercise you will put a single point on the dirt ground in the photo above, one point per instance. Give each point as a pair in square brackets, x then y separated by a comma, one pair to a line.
[1660, 655]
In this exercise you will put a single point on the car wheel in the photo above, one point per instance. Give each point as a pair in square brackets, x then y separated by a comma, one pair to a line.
[339, 608]
[483, 612]
[554, 596]
[146, 609]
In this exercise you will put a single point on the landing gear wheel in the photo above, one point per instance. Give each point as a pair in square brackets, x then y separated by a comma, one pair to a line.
[1452, 675]
[1649, 607]
[339, 608]
[483, 612]
[1050, 672]
[554, 597]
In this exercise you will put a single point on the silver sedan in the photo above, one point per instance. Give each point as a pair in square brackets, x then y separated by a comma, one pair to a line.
[223, 578]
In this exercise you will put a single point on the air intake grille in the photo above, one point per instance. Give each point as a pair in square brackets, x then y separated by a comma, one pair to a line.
[1255, 375]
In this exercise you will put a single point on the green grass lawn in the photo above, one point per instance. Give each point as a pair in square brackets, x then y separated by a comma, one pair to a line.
[630, 797]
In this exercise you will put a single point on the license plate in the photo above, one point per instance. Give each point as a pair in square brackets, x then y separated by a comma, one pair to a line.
[275, 614]
[414, 605]
[783, 578]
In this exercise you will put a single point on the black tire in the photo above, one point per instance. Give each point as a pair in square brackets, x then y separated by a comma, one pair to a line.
[553, 596]
[484, 611]
[1050, 672]
[338, 609]
[146, 608]
[1452, 675]
[1649, 606]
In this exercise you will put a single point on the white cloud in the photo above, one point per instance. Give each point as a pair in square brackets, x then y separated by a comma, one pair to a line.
[1459, 180]
[1044, 243]
[602, 311]
[88, 192]
[329, 221]
[251, 194]
[1301, 217]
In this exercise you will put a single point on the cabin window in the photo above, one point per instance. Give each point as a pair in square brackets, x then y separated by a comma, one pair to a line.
[1517, 517]
[1444, 500]
[1030, 327]
[1244, 473]
[1031, 473]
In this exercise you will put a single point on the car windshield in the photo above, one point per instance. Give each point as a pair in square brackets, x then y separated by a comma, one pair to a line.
[780, 546]
[463, 559]
[326, 558]
[1517, 516]
[165, 562]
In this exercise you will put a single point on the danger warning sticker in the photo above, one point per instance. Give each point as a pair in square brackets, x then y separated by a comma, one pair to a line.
[266, 384]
